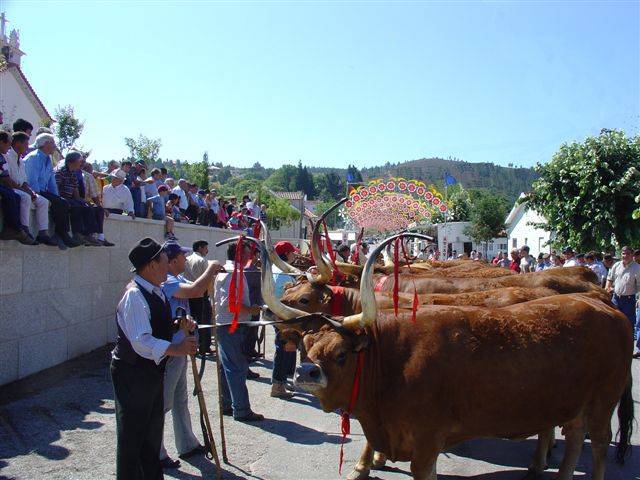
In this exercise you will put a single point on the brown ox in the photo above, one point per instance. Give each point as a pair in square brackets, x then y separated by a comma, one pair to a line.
[562, 360]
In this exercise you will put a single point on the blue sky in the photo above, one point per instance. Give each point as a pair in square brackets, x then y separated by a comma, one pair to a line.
[333, 83]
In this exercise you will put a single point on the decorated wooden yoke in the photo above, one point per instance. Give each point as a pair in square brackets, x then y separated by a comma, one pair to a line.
[393, 204]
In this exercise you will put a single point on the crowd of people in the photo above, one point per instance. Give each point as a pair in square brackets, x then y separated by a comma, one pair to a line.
[76, 199]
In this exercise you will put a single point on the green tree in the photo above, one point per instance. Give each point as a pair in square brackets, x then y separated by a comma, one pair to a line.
[353, 174]
[283, 179]
[144, 148]
[68, 128]
[333, 220]
[586, 192]
[329, 186]
[487, 218]
[199, 173]
[223, 175]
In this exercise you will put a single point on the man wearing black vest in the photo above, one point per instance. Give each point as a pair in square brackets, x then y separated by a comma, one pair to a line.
[137, 367]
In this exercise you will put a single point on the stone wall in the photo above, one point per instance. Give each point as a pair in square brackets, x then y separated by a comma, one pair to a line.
[56, 305]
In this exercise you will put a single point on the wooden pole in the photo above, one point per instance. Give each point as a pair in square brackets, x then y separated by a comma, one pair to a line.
[225, 459]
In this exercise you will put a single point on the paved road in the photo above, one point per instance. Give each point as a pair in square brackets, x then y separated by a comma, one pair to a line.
[60, 424]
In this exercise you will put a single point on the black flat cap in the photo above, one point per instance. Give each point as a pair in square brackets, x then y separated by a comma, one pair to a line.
[146, 250]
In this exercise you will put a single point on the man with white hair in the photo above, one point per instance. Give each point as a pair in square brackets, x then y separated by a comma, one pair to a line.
[170, 182]
[40, 176]
[181, 190]
[116, 197]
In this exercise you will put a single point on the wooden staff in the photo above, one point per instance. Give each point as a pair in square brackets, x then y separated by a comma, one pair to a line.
[220, 407]
[203, 406]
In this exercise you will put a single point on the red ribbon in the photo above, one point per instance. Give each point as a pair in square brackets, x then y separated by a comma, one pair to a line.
[414, 307]
[337, 301]
[345, 423]
[235, 291]
[396, 272]
[355, 257]
[380, 284]
[337, 276]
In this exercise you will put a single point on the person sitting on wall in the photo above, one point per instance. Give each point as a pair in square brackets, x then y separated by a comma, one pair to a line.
[83, 218]
[93, 197]
[116, 197]
[28, 197]
[156, 206]
[9, 200]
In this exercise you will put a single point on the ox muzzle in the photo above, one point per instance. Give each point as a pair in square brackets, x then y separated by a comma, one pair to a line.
[310, 377]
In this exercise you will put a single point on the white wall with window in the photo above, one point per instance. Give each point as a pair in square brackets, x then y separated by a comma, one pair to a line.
[452, 234]
[521, 228]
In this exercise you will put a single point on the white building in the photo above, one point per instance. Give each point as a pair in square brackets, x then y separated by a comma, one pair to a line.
[452, 234]
[18, 99]
[521, 230]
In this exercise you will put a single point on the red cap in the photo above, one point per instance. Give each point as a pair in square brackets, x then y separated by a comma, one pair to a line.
[282, 248]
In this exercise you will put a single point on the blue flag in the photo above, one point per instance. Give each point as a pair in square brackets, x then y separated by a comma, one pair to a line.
[350, 177]
[449, 179]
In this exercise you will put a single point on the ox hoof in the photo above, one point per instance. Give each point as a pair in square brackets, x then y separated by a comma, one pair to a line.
[379, 461]
[532, 475]
[356, 474]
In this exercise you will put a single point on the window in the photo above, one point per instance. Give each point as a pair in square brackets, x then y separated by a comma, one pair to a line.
[514, 243]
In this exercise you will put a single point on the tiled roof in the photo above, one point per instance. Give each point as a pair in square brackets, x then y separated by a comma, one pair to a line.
[12, 66]
[309, 213]
[290, 195]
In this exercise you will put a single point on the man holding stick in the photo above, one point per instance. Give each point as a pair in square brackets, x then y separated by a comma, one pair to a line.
[179, 290]
[138, 362]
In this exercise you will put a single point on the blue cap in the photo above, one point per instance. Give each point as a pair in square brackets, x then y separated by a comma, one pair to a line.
[172, 249]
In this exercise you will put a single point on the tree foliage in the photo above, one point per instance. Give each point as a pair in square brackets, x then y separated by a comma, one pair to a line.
[67, 128]
[586, 192]
[488, 212]
[144, 148]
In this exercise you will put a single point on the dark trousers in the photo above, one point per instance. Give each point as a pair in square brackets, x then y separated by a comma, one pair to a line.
[10, 208]
[83, 218]
[139, 406]
[59, 209]
[284, 363]
[192, 213]
[251, 339]
[136, 195]
[627, 305]
[201, 311]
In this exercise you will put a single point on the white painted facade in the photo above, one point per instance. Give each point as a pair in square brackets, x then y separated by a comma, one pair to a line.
[521, 231]
[452, 233]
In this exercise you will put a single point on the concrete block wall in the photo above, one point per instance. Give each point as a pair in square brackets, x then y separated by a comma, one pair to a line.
[56, 305]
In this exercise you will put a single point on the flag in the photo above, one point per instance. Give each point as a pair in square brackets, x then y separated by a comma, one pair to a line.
[449, 179]
[350, 177]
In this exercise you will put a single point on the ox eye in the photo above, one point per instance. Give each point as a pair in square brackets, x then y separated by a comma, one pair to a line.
[340, 359]
[304, 300]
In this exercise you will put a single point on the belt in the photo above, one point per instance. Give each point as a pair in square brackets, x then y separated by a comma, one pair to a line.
[626, 297]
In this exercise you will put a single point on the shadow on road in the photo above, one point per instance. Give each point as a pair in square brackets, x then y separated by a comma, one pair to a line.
[295, 433]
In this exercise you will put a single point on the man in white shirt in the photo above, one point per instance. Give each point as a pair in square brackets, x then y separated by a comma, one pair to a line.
[527, 262]
[181, 191]
[569, 257]
[138, 361]
[28, 198]
[116, 197]
[235, 396]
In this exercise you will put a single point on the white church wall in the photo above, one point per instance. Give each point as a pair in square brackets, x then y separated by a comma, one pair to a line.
[14, 101]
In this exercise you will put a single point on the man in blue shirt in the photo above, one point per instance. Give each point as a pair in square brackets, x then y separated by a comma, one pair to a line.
[41, 178]
[178, 291]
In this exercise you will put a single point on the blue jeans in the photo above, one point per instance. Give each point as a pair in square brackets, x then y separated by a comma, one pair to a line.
[627, 305]
[284, 363]
[234, 370]
[136, 195]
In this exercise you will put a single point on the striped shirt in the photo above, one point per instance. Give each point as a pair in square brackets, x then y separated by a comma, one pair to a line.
[67, 182]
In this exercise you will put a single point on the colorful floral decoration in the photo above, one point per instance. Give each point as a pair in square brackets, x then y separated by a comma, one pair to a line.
[393, 204]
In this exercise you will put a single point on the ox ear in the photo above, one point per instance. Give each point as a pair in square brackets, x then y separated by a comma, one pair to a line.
[360, 340]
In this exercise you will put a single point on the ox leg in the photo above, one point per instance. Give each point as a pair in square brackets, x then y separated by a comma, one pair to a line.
[543, 447]
[423, 464]
[600, 433]
[363, 467]
[379, 460]
[574, 439]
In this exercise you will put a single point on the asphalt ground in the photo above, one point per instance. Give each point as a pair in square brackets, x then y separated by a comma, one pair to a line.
[60, 424]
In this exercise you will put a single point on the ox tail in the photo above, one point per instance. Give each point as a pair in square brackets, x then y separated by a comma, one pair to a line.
[625, 423]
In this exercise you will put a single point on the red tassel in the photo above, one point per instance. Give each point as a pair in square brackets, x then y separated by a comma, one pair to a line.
[236, 291]
[396, 272]
[414, 306]
[345, 424]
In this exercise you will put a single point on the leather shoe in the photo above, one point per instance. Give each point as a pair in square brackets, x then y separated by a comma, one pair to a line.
[168, 464]
[107, 243]
[250, 417]
[199, 450]
[252, 374]
[46, 240]
[228, 411]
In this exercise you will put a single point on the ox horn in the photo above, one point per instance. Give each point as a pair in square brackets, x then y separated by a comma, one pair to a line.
[267, 284]
[325, 270]
[367, 293]
[273, 256]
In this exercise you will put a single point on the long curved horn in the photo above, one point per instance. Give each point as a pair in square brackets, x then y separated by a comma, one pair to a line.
[273, 256]
[367, 293]
[325, 270]
[268, 285]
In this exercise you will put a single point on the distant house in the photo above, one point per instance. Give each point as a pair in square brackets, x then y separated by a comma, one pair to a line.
[521, 231]
[296, 200]
[18, 99]
[452, 234]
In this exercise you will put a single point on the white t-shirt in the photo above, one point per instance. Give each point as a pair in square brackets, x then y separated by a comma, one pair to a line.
[572, 262]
